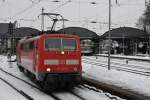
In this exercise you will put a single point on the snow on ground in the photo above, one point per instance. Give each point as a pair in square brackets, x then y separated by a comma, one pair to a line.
[142, 57]
[7, 93]
[90, 95]
[134, 82]
[122, 79]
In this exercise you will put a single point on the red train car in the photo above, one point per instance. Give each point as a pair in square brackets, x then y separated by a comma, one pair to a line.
[51, 58]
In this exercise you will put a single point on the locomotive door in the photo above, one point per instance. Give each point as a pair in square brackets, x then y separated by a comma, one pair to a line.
[35, 55]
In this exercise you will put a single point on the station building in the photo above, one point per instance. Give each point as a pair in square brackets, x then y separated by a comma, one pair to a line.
[4, 29]
[126, 40]
[8, 40]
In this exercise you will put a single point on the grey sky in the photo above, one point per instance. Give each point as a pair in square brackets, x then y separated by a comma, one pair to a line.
[78, 12]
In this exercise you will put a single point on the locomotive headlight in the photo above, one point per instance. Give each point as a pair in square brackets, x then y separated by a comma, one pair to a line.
[62, 52]
[48, 69]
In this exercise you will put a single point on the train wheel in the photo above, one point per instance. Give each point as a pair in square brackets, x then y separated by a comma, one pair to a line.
[21, 69]
[70, 86]
[47, 87]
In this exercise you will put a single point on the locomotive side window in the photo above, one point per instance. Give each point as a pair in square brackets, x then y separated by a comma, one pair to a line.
[21, 46]
[31, 45]
[27, 46]
[69, 44]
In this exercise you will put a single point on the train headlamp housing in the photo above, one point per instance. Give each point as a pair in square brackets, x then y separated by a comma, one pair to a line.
[48, 69]
[62, 52]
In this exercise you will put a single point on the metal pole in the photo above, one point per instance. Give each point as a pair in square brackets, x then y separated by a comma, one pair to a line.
[149, 43]
[42, 20]
[109, 49]
[145, 2]
[123, 43]
[63, 24]
[123, 46]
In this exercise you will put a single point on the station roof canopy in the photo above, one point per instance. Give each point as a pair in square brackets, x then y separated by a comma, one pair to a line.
[126, 32]
[3, 28]
[82, 32]
[23, 31]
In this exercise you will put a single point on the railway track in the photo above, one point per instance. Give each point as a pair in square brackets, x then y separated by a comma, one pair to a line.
[114, 65]
[53, 95]
[30, 84]
[124, 57]
[123, 93]
[38, 88]
[28, 97]
[94, 88]
[125, 65]
[80, 97]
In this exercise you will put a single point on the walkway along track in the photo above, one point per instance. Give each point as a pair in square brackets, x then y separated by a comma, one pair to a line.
[51, 94]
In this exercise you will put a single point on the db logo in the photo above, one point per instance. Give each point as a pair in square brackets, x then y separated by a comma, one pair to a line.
[62, 61]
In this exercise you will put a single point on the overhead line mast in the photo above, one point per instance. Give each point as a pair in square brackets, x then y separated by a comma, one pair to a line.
[42, 20]
[109, 35]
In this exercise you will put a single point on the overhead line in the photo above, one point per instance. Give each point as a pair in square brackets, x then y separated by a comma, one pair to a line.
[61, 5]
[24, 10]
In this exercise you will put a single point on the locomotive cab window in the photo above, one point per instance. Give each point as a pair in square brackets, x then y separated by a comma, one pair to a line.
[60, 44]
[53, 44]
[69, 44]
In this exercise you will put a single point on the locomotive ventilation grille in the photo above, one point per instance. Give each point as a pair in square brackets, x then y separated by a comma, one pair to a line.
[56, 62]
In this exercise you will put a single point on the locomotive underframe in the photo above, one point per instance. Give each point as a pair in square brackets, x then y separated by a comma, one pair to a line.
[60, 78]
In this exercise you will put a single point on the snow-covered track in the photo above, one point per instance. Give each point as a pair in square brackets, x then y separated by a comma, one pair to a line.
[123, 68]
[94, 88]
[115, 90]
[20, 79]
[124, 57]
[72, 92]
[28, 97]
[121, 64]
[34, 86]
[49, 93]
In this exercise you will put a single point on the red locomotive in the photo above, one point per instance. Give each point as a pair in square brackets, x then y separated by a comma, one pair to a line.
[51, 58]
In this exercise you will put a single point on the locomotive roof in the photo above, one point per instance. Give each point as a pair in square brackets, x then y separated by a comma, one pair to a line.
[63, 35]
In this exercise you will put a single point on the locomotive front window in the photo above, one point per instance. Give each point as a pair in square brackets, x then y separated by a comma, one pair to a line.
[69, 44]
[53, 44]
[60, 44]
